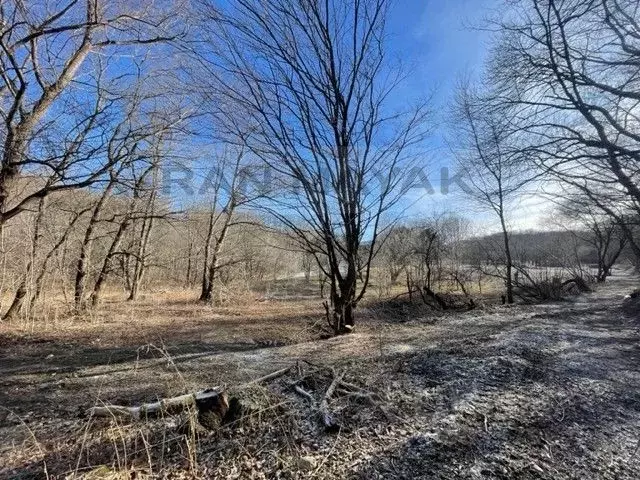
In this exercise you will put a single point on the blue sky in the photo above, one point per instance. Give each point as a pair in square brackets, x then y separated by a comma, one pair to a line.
[436, 37]
[437, 41]
[440, 42]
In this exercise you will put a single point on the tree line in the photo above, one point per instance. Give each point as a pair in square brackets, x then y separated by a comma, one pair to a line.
[98, 98]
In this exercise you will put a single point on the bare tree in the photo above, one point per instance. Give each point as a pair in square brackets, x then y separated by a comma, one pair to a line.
[432, 259]
[137, 258]
[571, 69]
[21, 292]
[228, 196]
[308, 83]
[122, 152]
[307, 262]
[395, 252]
[484, 149]
[597, 229]
[133, 156]
[52, 123]
[83, 263]
[423, 270]
[75, 215]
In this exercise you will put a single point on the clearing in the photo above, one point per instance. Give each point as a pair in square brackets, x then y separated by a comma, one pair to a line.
[529, 391]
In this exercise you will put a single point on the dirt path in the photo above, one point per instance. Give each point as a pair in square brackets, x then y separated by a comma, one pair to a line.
[548, 391]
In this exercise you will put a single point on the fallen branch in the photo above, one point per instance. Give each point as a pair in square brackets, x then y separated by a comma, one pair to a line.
[268, 377]
[301, 391]
[328, 420]
[356, 388]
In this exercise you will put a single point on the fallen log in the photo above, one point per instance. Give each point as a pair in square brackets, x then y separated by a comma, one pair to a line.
[206, 399]
[213, 405]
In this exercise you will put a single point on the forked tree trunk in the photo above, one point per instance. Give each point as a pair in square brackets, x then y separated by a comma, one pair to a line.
[209, 276]
[105, 269]
[343, 300]
[608, 256]
[37, 289]
[211, 270]
[212, 251]
[125, 222]
[140, 263]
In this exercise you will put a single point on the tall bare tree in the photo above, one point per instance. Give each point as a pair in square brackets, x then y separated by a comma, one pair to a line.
[571, 69]
[228, 194]
[133, 154]
[484, 149]
[308, 85]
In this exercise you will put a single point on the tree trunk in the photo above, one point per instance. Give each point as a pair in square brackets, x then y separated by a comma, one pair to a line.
[206, 295]
[207, 287]
[210, 273]
[140, 262]
[18, 300]
[605, 265]
[188, 283]
[143, 242]
[106, 264]
[343, 299]
[82, 265]
[343, 314]
[21, 293]
[211, 265]
[508, 260]
[37, 289]
[125, 265]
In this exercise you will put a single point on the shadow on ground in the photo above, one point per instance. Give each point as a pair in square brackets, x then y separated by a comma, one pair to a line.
[554, 399]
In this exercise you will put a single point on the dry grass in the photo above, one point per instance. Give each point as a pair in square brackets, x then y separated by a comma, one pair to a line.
[453, 394]
[175, 315]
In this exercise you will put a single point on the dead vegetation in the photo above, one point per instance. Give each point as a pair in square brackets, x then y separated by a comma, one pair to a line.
[546, 391]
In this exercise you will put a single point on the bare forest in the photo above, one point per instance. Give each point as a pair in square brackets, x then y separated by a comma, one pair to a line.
[224, 252]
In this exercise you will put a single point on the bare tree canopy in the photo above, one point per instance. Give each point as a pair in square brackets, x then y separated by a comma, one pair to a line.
[571, 69]
[486, 145]
[307, 85]
[58, 88]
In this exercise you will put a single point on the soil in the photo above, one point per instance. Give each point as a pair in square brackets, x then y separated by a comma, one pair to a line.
[545, 391]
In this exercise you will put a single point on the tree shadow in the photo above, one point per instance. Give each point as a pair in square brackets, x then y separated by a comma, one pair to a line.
[542, 405]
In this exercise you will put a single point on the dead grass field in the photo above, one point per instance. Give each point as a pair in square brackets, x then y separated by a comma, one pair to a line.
[539, 391]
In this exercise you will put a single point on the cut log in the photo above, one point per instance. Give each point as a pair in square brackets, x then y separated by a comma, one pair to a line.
[213, 405]
[206, 400]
